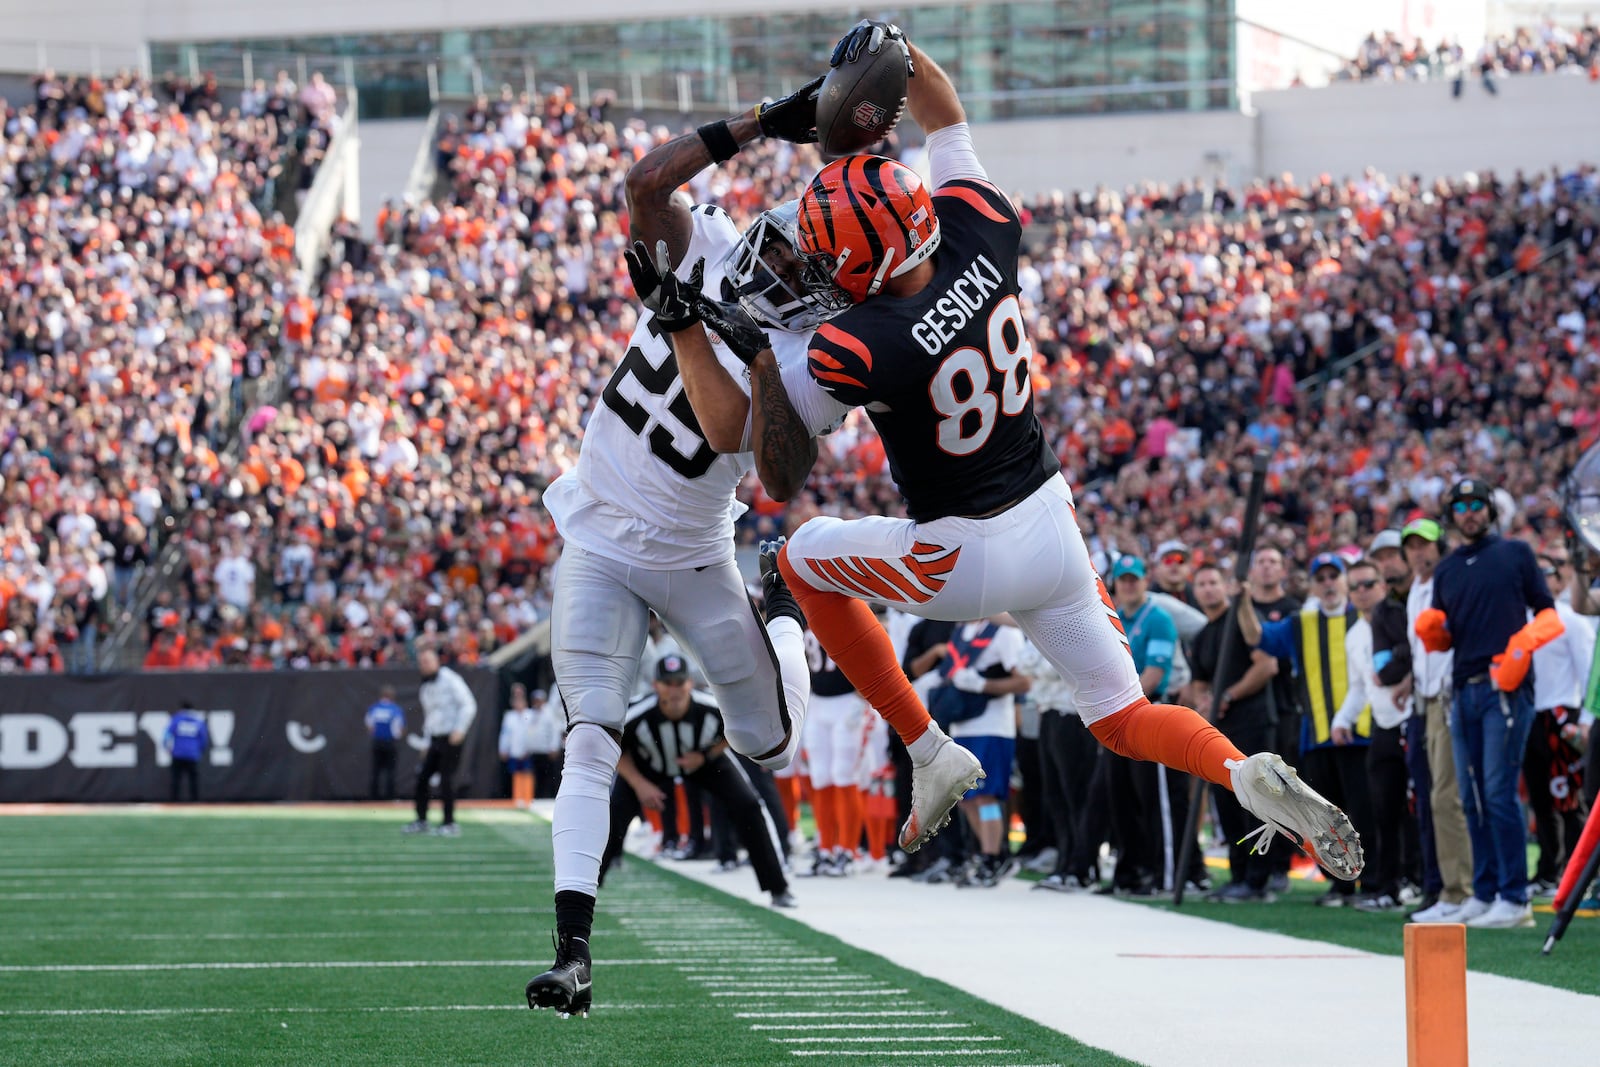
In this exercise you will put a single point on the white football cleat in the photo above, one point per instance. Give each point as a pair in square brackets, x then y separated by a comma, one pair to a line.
[936, 786]
[1269, 789]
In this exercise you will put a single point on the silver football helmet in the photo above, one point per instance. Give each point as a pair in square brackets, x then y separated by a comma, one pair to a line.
[762, 291]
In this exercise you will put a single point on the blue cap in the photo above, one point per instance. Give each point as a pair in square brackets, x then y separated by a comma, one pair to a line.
[1328, 559]
[1127, 565]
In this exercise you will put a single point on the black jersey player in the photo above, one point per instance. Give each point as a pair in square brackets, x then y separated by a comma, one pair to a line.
[935, 348]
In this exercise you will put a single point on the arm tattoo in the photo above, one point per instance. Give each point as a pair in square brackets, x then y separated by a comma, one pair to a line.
[652, 181]
[785, 449]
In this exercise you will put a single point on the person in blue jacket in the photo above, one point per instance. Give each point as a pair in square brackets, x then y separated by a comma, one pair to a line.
[186, 741]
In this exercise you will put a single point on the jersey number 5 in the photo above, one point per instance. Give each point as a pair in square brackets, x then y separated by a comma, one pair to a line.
[658, 381]
[971, 409]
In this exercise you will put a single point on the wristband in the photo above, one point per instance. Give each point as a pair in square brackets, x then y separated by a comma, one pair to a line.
[719, 141]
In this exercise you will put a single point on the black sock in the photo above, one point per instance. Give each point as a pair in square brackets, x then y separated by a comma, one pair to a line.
[574, 915]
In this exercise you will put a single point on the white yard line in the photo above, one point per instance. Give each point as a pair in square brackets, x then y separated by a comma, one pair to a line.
[1090, 966]
[290, 965]
[393, 1008]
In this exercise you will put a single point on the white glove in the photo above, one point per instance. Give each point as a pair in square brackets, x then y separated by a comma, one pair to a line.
[968, 680]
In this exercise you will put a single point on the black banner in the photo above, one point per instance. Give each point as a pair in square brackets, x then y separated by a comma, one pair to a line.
[277, 735]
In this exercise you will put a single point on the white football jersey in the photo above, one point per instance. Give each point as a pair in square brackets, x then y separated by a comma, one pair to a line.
[648, 489]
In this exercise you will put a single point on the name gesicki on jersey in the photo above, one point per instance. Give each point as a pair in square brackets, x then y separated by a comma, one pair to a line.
[961, 301]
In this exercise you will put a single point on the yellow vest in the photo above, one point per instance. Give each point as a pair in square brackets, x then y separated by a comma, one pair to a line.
[1324, 675]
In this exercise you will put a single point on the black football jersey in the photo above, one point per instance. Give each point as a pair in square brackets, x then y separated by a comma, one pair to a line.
[946, 375]
[827, 680]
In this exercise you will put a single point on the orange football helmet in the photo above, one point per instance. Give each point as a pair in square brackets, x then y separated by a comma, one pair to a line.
[863, 220]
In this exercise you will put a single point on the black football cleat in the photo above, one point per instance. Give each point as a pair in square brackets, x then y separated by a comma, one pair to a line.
[566, 986]
[780, 602]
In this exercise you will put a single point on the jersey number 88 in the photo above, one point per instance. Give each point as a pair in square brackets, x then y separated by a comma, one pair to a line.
[1010, 356]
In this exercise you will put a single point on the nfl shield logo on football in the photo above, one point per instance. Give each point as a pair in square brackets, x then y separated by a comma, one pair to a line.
[868, 115]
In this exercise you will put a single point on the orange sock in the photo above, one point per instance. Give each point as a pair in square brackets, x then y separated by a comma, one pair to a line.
[681, 795]
[826, 816]
[852, 636]
[522, 787]
[789, 793]
[878, 830]
[1171, 734]
[852, 812]
[653, 817]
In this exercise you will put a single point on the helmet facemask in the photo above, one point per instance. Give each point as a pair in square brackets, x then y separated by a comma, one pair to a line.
[766, 294]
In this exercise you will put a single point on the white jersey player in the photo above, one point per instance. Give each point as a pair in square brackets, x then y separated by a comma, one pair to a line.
[647, 513]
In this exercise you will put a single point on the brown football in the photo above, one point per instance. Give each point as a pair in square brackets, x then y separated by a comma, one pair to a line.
[861, 102]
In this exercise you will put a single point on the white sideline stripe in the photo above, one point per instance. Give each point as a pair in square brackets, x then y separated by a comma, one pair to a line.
[815, 994]
[838, 1014]
[860, 1026]
[291, 965]
[876, 1037]
[51, 1012]
[797, 963]
[904, 1052]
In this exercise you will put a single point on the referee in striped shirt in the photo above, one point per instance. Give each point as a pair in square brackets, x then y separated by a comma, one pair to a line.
[677, 732]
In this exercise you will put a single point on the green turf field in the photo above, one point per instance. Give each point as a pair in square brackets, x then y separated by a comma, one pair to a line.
[326, 937]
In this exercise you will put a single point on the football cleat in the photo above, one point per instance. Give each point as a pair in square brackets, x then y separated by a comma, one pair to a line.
[1269, 789]
[416, 826]
[448, 829]
[936, 786]
[779, 601]
[784, 899]
[566, 986]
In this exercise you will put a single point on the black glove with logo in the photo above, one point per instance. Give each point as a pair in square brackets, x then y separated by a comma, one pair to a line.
[737, 327]
[794, 118]
[675, 303]
[870, 35]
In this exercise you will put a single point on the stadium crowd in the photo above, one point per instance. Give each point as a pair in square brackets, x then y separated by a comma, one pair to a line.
[145, 266]
[437, 376]
[1526, 49]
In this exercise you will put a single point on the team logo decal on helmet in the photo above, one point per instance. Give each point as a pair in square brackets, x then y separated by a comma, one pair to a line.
[863, 220]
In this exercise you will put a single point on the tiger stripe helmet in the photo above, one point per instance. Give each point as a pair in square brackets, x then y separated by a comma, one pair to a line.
[863, 220]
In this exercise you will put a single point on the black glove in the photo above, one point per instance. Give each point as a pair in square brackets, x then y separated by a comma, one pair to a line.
[674, 302]
[737, 328]
[870, 35]
[794, 118]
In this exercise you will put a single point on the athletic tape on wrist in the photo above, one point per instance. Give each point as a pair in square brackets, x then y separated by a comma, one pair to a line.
[719, 141]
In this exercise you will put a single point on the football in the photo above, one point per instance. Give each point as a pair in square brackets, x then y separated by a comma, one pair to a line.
[861, 101]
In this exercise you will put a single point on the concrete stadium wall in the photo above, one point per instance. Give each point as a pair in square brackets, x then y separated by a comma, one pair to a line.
[1033, 155]
[1417, 127]
[1413, 127]
[200, 20]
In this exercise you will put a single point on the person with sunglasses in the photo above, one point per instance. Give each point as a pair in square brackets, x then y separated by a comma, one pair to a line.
[1482, 595]
[1385, 755]
[1552, 766]
[1171, 573]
